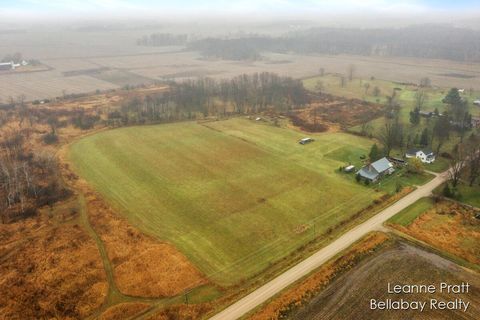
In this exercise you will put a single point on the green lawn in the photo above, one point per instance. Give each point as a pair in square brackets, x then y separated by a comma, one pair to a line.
[440, 165]
[407, 215]
[233, 196]
[470, 195]
[402, 177]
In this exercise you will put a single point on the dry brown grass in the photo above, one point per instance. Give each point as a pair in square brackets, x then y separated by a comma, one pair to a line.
[299, 294]
[143, 266]
[330, 113]
[123, 311]
[448, 226]
[49, 271]
[184, 312]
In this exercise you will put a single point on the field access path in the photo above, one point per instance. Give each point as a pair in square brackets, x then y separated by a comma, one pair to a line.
[267, 291]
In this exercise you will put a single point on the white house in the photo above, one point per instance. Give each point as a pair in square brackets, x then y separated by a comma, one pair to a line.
[425, 155]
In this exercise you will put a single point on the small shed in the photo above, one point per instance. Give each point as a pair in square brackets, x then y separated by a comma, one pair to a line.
[7, 66]
[305, 140]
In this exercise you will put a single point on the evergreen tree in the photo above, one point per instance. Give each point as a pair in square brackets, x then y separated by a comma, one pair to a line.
[447, 192]
[457, 107]
[416, 141]
[415, 116]
[374, 154]
[452, 97]
[424, 138]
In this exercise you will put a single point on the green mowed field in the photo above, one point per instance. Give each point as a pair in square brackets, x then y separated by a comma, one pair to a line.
[233, 196]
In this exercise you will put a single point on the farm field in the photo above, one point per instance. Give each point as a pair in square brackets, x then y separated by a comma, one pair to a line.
[71, 50]
[48, 84]
[233, 196]
[398, 261]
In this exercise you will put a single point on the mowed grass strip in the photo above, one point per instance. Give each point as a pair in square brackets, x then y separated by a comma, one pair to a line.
[410, 213]
[232, 196]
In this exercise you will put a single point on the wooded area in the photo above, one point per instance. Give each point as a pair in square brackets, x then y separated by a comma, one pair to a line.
[425, 41]
[207, 97]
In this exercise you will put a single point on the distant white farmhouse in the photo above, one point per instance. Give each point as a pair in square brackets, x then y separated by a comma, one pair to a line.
[425, 155]
[5, 66]
[376, 170]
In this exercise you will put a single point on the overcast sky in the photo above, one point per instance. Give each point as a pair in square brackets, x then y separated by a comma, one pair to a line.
[29, 8]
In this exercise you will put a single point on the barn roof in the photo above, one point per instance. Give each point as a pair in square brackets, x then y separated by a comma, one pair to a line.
[368, 172]
[382, 165]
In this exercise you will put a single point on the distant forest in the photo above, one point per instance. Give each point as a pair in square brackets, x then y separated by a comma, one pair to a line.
[163, 39]
[427, 41]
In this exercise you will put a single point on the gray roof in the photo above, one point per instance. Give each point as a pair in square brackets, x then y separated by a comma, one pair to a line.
[368, 172]
[381, 165]
[412, 151]
[372, 170]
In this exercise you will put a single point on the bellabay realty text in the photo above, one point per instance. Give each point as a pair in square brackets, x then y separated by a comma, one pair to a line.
[450, 290]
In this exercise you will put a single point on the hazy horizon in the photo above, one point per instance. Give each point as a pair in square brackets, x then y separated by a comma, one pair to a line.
[320, 12]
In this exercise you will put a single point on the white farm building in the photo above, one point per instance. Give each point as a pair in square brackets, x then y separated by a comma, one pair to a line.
[425, 155]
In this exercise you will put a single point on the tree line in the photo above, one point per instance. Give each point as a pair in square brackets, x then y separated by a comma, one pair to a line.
[208, 97]
[464, 157]
[423, 41]
[438, 129]
[162, 39]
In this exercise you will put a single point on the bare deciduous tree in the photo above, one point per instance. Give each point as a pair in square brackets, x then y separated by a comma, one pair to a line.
[351, 72]
[456, 164]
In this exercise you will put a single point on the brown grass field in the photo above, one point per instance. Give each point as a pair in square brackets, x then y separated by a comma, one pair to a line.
[49, 271]
[329, 113]
[123, 311]
[449, 227]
